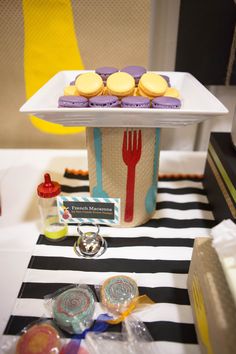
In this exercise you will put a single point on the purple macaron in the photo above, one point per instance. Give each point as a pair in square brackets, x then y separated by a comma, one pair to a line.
[165, 102]
[72, 102]
[165, 77]
[135, 71]
[135, 102]
[104, 101]
[105, 72]
[73, 81]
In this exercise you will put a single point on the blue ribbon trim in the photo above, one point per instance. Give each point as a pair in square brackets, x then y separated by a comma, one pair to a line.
[100, 325]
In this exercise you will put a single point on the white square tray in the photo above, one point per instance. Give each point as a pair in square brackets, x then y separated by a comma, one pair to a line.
[198, 104]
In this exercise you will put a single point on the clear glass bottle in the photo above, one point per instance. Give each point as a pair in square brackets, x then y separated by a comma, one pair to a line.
[51, 227]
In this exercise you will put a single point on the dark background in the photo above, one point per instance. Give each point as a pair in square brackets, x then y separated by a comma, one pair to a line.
[205, 35]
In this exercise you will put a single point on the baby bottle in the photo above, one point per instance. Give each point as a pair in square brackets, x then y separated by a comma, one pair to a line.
[51, 227]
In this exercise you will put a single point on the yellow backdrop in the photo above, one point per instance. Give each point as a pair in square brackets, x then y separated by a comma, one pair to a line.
[50, 46]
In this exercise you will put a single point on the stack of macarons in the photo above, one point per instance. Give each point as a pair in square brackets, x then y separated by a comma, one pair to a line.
[131, 87]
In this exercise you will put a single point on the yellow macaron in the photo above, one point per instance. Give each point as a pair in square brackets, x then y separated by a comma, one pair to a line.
[105, 91]
[141, 93]
[89, 84]
[136, 92]
[172, 92]
[120, 84]
[71, 91]
[152, 85]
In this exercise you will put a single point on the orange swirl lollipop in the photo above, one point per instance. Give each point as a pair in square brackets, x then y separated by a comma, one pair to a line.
[39, 339]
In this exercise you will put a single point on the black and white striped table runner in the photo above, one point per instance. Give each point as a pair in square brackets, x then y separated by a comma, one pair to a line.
[157, 255]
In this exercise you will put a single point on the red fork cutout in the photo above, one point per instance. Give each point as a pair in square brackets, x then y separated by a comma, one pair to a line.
[131, 153]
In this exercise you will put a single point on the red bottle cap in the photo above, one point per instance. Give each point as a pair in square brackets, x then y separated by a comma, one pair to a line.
[48, 188]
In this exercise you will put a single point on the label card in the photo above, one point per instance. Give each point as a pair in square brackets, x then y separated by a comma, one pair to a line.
[86, 209]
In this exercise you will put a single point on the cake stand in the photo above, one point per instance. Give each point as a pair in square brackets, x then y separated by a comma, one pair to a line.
[123, 144]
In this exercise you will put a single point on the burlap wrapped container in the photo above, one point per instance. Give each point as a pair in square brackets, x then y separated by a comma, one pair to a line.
[108, 171]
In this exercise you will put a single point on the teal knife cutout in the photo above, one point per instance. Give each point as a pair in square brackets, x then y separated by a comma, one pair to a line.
[150, 201]
[98, 192]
